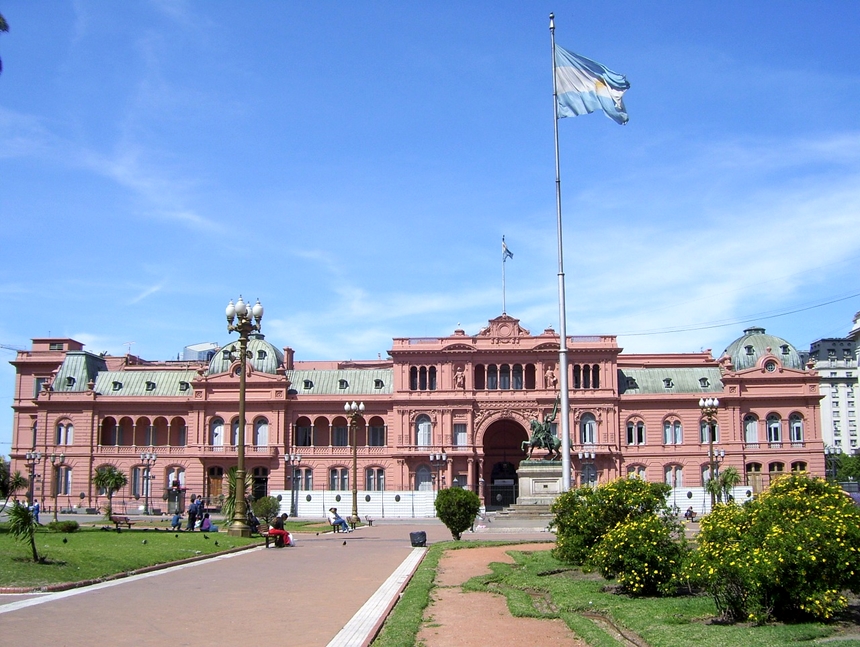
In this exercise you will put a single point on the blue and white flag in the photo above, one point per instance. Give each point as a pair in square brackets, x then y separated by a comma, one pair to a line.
[506, 253]
[583, 86]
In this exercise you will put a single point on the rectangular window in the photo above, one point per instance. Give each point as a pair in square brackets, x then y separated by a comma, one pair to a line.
[340, 436]
[460, 434]
[376, 436]
[55, 346]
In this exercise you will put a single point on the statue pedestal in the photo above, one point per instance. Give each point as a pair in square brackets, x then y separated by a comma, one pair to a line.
[540, 482]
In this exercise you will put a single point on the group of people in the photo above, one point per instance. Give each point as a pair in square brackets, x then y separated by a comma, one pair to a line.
[198, 519]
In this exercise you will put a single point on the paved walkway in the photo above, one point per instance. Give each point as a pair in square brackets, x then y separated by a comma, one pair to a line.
[331, 589]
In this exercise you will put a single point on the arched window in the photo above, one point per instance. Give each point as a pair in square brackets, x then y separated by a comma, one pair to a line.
[338, 478]
[505, 377]
[374, 478]
[636, 472]
[774, 429]
[674, 475]
[750, 429]
[518, 377]
[422, 378]
[304, 432]
[799, 466]
[586, 377]
[577, 376]
[261, 432]
[65, 434]
[431, 378]
[234, 432]
[672, 434]
[479, 377]
[635, 432]
[423, 431]
[423, 479]
[216, 432]
[63, 480]
[705, 431]
[588, 429]
[595, 377]
[531, 376]
[413, 378]
[108, 432]
[340, 432]
[795, 428]
[776, 468]
[305, 479]
[492, 377]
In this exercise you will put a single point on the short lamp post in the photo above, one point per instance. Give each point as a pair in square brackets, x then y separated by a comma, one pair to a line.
[148, 459]
[709, 411]
[31, 459]
[56, 467]
[832, 458]
[291, 463]
[354, 411]
[243, 320]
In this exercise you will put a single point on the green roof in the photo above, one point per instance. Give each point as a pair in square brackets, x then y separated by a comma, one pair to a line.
[78, 368]
[145, 383]
[640, 381]
[355, 382]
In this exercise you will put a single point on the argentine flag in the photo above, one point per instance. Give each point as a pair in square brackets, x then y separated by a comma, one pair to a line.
[583, 86]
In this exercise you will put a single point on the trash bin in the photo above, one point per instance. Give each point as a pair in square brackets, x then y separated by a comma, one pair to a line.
[419, 539]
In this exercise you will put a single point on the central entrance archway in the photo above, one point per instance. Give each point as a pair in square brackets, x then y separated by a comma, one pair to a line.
[502, 455]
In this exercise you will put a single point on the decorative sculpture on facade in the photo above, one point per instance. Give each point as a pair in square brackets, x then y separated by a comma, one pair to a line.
[543, 437]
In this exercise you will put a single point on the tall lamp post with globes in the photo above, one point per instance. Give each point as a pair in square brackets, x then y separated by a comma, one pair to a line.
[56, 467]
[832, 458]
[31, 459]
[148, 459]
[709, 411]
[354, 411]
[243, 320]
[291, 462]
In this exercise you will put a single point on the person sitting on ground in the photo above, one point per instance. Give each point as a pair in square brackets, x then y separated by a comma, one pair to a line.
[206, 525]
[282, 537]
[336, 520]
[176, 521]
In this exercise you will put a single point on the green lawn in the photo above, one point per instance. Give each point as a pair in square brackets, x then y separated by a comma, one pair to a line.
[92, 553]
[539, 586]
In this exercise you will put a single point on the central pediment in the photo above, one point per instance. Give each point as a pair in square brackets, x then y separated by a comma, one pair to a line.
[504, 327]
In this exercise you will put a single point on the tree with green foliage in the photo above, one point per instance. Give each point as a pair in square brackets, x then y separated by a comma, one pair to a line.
[584, 515]
[787, 555]
[721, 486]
[267, 508]
[22, 526]
[111, 480]
[457, 509]
[848, 467]
[644, 554]
[14, 484]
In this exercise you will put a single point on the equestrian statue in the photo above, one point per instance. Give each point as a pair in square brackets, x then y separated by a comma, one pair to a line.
[543, 437]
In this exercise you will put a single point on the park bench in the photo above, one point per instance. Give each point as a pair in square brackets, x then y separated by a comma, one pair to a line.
[352, 521]
[121, 521]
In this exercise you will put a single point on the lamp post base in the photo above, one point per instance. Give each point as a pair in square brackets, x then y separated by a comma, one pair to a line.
[239, 530]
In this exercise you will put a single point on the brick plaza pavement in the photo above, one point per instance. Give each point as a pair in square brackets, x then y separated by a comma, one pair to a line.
[300, 596]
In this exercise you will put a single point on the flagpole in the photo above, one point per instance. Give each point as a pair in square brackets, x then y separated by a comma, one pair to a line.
[562, 348]
[504, 258]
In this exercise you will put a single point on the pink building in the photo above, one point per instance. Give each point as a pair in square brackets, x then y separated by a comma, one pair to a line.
[471, 397]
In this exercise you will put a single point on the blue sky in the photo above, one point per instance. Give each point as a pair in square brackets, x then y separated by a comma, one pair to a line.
[355, 165]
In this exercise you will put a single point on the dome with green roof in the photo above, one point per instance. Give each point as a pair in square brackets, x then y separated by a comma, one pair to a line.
[262, 355]
[746, 351]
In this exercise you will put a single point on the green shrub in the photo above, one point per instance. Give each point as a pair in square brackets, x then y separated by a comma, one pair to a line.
[457, 509]
[644, 555]
[266, 508]
[69, 525]
[787, 555]
[584, 515]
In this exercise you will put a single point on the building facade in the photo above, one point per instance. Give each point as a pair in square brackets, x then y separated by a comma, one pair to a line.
[470, 397]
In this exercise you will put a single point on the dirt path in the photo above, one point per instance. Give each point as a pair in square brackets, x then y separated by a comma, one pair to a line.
[458, 619]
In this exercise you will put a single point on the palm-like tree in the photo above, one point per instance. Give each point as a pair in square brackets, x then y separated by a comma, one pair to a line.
[229, 506]
[729, 478]
[22, 526]
[111, 480]
[16, 483]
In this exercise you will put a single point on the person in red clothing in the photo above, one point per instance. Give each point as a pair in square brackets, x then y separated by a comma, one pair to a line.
[282, 537]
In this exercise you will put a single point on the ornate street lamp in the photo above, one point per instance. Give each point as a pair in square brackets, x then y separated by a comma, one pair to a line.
[148, 459]
[832, 456]
[241, 319]
[354, 411]
[31, 459]
[709, 411]
[291, 462]
[438, 461]
[57, 465]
